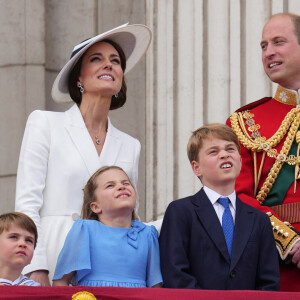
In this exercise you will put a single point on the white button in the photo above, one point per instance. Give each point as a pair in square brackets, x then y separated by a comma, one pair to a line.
[75, 216]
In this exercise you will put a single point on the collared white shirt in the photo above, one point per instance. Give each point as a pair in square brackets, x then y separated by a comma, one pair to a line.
[219, 208]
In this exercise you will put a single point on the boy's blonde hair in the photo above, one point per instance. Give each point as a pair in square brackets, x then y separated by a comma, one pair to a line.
[89, 195]
[217, 130]
[20, 220]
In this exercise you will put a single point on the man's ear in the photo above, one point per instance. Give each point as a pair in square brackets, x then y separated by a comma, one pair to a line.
[95, 207]
[196, 168]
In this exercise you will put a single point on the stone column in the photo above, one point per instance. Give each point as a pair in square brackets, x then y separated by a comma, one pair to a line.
[22, 83]
[205, 62]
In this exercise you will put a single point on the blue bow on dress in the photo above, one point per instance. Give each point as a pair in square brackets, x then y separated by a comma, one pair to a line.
[133, 233]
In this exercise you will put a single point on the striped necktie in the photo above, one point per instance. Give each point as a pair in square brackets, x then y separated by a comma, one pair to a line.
[227, 223]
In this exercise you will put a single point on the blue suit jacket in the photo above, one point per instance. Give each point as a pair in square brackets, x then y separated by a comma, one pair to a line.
[194, 254]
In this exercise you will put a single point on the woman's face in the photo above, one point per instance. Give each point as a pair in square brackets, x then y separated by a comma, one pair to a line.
[101, 70]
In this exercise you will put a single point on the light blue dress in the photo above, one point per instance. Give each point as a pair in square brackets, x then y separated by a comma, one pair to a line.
[108, 256]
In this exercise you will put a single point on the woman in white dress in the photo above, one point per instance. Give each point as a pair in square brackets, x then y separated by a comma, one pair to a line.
[61, 150]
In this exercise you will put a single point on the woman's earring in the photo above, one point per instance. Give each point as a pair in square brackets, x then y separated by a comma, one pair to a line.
[116, 95]
[81, 89]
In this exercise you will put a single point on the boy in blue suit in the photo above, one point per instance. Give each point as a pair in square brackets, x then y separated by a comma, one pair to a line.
[212, 240]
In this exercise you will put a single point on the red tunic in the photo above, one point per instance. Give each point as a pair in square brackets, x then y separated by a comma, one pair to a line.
[269, 114]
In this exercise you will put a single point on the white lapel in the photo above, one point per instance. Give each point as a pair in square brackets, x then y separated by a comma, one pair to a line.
[80, 136]
[111, 147]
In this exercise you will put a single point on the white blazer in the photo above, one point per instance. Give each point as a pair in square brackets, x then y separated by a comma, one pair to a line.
[57, 158]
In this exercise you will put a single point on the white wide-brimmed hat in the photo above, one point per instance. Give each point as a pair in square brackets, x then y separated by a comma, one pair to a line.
[133, 39]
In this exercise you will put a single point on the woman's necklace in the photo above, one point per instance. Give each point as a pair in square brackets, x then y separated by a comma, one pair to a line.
[98, 142]
[99, 136]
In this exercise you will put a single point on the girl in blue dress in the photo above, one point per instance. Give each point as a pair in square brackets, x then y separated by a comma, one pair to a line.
[108, 247]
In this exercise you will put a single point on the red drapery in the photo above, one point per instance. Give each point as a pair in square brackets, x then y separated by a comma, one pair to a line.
[112, 293]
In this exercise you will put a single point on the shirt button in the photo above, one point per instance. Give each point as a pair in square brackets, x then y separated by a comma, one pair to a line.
[75, 216]
[232, 274]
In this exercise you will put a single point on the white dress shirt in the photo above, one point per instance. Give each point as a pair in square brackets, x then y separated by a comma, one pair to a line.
[219, 208]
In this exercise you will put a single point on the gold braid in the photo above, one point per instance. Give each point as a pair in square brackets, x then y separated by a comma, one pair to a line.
[278, 165]
[290, 124]
[297, 178]
[298, 137]
[255, 145]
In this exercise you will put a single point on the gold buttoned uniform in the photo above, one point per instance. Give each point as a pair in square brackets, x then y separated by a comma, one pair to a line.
[268, 133]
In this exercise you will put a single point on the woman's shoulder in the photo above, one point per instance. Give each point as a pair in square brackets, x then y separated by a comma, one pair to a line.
[52, 119]
[46, 115]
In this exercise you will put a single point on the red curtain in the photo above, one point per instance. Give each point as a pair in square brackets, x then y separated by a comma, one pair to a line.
[112, 293]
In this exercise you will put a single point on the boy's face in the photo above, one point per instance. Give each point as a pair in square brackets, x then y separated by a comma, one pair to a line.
[219, 163]
[16, 247]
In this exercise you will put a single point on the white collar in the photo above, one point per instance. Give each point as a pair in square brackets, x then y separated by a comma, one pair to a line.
[213, 196]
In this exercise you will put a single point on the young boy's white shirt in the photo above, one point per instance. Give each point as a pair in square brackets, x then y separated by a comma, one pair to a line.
[219, 208]
[21, 280]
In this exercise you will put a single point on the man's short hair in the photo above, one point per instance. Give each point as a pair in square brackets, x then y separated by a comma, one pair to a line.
[295, 20]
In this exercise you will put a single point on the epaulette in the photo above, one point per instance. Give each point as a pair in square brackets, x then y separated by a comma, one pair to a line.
[254, 104]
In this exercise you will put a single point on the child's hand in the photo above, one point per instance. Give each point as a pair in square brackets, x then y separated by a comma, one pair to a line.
[40, 276]
[65, 280]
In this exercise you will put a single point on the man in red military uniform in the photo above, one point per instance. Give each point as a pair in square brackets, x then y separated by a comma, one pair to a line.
[268, 132]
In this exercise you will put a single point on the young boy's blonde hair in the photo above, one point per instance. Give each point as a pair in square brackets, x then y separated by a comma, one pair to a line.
[20, 220]
[89, 195]
[217, 130]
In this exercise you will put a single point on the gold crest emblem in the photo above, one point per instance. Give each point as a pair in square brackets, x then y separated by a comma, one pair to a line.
[83, 296]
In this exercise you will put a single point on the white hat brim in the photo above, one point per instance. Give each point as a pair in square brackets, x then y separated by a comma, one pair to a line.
[133, 39]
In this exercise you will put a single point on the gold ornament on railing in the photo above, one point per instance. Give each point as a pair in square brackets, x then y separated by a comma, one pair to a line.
[84, 296]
